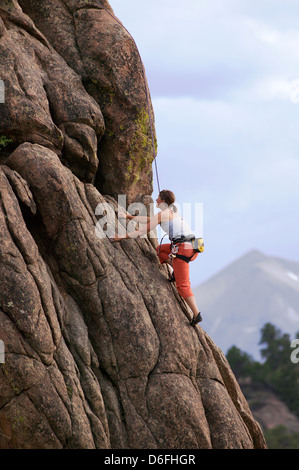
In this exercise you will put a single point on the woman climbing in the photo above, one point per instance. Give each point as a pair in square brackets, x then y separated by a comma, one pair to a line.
[179, 252]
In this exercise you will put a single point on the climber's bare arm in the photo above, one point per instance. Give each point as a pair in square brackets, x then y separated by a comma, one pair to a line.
[143, 219]
[122, 213]
[151, 223]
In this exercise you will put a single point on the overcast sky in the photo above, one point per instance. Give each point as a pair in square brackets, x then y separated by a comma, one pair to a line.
[222, 76]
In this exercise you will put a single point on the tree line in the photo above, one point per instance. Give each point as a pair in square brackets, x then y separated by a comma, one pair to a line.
[277, 371]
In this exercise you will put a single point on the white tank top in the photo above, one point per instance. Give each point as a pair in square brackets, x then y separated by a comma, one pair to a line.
[176, 227]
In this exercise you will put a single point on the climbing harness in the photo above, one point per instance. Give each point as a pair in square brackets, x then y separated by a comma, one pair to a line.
[146, 91]
[197, 245]
[174, 251]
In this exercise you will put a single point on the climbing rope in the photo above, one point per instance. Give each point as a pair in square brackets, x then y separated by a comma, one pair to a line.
[146, 92]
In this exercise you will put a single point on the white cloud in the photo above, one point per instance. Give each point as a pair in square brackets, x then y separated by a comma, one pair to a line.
[267, 88]
[275, 89]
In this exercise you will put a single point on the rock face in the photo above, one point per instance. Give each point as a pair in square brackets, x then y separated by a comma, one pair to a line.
[99, 352]
[104, 55]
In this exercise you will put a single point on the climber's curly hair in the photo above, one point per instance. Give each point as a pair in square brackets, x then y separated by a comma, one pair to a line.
[169, 197]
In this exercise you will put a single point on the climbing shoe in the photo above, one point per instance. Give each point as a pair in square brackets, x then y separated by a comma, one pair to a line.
[196, 319]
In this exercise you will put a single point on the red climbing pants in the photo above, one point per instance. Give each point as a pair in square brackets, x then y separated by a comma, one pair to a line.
[180, 267]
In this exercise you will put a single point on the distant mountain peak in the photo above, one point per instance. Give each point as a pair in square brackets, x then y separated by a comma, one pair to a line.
[254, 254]
[249, 292]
